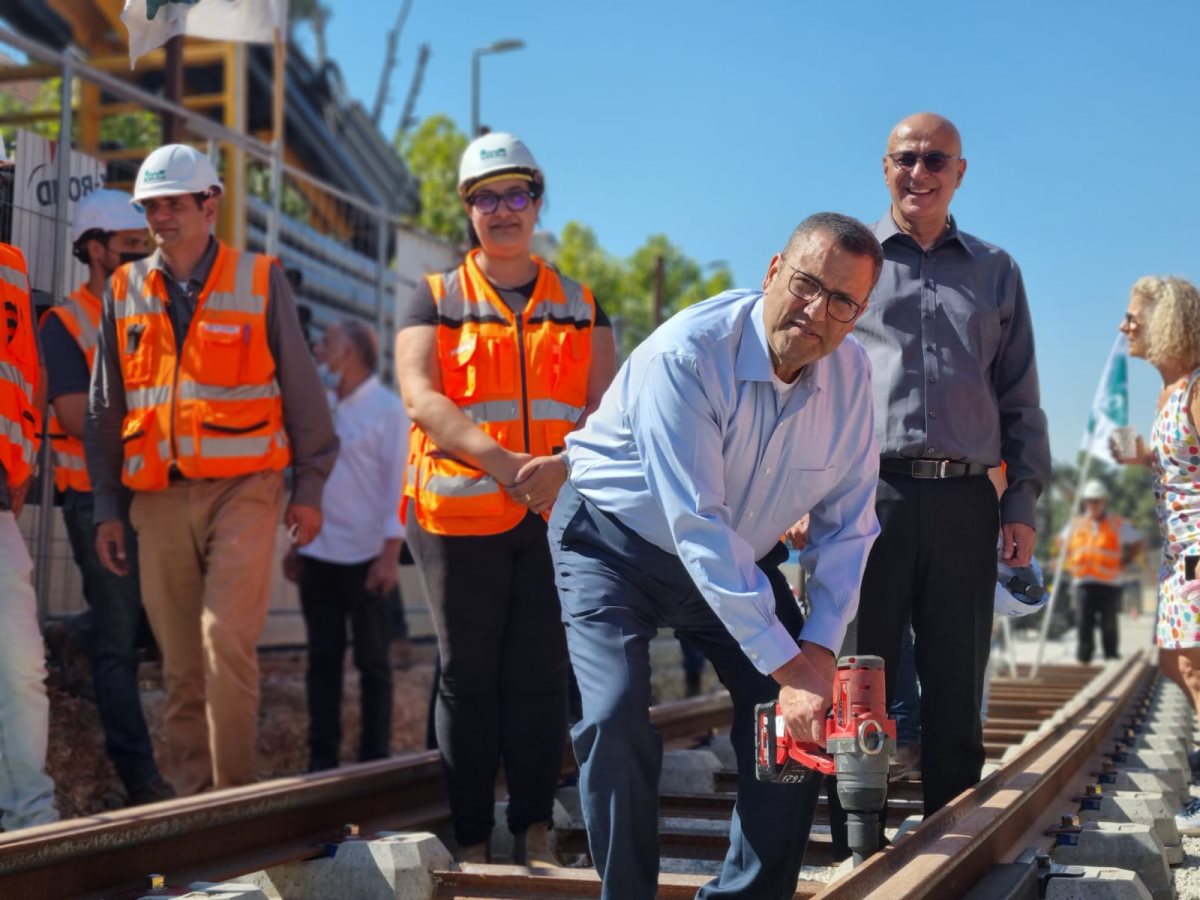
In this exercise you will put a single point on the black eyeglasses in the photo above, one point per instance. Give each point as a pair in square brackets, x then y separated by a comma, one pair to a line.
[935, 160]
[838, 306]
[516, 200]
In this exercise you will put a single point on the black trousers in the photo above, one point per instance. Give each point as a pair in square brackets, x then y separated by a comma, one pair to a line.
[935, 561]
[1097, 602]
[331, 595]
[502, 693]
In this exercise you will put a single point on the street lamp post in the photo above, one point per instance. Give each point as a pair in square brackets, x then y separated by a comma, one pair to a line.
[502, 46]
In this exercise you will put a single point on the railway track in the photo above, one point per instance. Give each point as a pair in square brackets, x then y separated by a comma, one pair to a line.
[1061, 721]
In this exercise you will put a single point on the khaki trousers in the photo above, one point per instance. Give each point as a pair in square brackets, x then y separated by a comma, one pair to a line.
[206, 550]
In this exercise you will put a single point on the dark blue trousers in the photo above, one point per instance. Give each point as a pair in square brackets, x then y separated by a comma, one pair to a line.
[109, 632]
[617, 590]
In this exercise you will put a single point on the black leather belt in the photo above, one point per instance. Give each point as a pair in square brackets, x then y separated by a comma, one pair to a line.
[930, 468]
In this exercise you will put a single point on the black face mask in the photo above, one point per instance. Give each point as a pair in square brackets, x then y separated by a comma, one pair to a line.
[132, 256]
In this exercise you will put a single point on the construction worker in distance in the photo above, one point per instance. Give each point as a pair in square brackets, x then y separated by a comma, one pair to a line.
[26, 791]
[107, 232]
[203, 392]
[1099, 546]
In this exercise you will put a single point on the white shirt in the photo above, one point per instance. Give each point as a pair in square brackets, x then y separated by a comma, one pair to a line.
[695, 449]
[361, 503]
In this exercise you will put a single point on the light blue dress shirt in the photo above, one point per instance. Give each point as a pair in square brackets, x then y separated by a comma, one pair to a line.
[696, 450]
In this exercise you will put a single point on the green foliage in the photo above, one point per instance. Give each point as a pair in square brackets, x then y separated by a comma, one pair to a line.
[45, 101]
[626, 288]
[132, 129]
[292, 203]
[432, 152]
[1130, 491]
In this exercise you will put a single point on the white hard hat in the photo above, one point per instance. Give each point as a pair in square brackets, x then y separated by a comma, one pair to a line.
[107, 210]
[1095, 490]
[495, 155]
[1019, 592]
[175, 169]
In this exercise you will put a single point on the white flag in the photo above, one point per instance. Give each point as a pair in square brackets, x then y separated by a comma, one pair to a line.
[1110, 407]
[151, 23]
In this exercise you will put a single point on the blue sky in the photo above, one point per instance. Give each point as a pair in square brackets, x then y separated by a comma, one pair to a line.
[722, 125]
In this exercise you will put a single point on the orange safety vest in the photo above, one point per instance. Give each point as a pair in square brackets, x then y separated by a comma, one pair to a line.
[20, 423]
[80, 315]
[523, 380]
[1094, 551]
[215, 411]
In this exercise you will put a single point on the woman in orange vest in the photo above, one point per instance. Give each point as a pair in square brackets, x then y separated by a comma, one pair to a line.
[497, 360]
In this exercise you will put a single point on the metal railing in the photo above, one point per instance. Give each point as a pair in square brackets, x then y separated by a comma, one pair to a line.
[345, 256]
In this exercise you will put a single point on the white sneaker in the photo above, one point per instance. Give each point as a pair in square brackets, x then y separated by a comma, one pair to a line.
[1187, 820]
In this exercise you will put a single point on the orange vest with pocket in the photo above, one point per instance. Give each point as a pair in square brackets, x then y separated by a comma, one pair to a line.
[522, 379]
[20, 422]
[216, 410]
[80, 315]
[1094, 552]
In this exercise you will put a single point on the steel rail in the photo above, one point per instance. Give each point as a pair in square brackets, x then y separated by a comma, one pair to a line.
[226, 833]
[952, 849]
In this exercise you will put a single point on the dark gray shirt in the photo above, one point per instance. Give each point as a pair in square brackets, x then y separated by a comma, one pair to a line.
[950, 338]
[306, 416]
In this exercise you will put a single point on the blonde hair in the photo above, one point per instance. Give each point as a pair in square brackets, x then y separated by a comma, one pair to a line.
[1173, 329]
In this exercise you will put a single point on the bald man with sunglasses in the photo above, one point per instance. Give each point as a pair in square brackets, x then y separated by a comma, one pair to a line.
[950, 339]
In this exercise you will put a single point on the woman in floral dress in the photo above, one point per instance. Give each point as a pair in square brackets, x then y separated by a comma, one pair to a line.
[1163, 327]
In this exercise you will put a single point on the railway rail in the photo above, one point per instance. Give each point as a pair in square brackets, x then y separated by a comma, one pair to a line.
[1063, 721]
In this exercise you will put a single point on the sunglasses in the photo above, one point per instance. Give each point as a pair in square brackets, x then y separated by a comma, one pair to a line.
[935, 160]
[516, 200]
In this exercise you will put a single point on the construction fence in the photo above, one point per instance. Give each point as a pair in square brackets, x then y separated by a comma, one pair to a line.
[344, 256]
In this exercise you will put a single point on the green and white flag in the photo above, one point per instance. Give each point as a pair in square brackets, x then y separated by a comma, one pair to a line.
[151, 23]
[1110, 407]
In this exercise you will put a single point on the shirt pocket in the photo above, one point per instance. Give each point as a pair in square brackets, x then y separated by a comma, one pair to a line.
[223, 347]
[809, 485]
[137, 366]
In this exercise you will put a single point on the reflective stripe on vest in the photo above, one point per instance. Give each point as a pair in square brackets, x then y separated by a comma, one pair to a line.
[521, 379]
[1094, 552]
[214, 410]
[19, 419]
[80, 315]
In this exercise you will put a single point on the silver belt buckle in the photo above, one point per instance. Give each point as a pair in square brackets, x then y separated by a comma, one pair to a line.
[929, 468]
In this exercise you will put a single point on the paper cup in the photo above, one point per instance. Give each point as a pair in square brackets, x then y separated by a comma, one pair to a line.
[1125, 440]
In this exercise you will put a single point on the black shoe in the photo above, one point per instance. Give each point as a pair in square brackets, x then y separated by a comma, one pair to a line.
[153, 791]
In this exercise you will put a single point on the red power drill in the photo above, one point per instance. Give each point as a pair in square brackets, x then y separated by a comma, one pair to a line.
[859, 737]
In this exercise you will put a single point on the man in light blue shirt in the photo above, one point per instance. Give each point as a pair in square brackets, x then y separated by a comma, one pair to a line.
[731, 421]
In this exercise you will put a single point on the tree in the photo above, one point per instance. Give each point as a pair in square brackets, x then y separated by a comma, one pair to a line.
[432, 152]
[581, 257]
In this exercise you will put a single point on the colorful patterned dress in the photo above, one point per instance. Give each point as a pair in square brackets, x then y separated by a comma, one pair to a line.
[1176, 448]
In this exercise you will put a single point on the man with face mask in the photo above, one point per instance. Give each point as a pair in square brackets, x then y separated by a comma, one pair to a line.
[348, 572]
[107, 232]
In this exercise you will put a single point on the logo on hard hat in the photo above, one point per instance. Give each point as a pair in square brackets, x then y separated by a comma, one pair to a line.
[156, 175]
[493, 154]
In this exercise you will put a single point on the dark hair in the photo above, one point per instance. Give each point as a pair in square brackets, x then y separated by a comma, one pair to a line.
[851, 235]
[79, 248]
[362, 338]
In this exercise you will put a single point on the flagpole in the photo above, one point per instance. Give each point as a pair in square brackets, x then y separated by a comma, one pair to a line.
[1059, 564]
[272, 247]
[1084, 469]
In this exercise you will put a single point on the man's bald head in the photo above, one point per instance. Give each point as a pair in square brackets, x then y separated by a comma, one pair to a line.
[926, 123]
